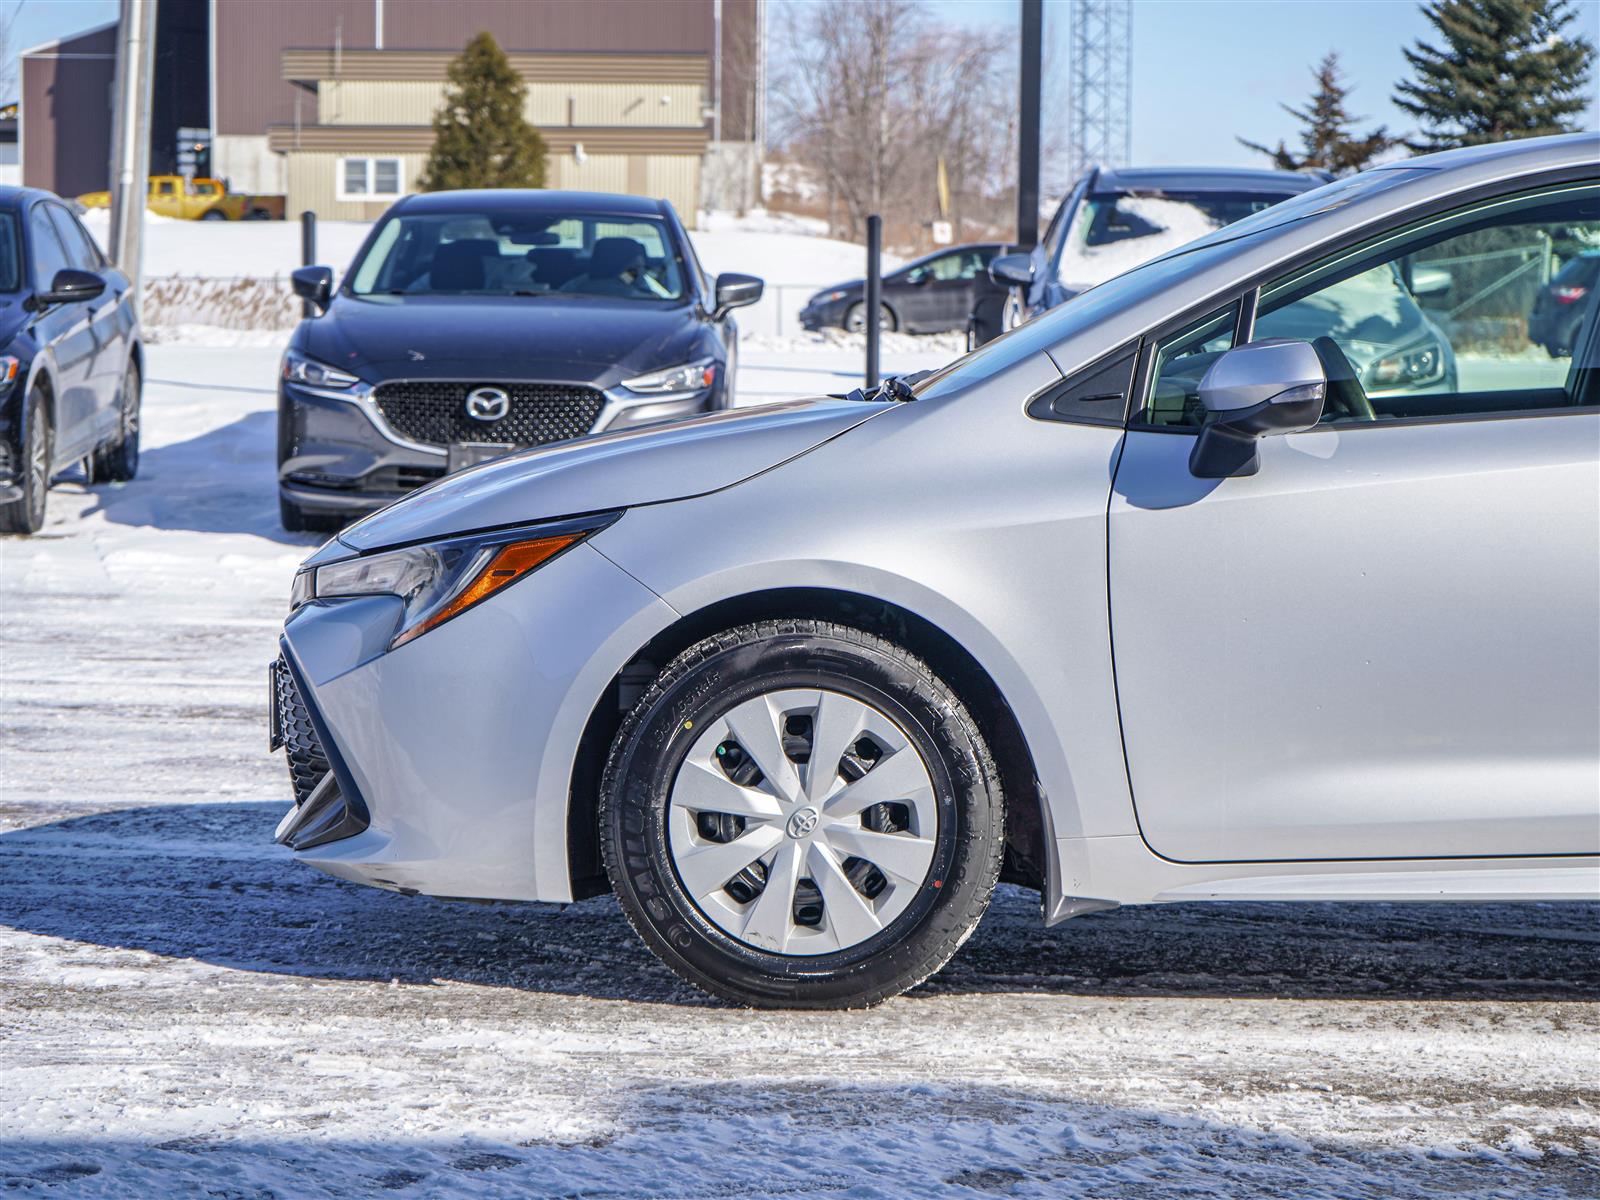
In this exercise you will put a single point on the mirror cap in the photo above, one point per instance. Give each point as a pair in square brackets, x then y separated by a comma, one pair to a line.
[1011, 270]
[1273, 369]
[735, 290]
[70, 285]
[312, 283]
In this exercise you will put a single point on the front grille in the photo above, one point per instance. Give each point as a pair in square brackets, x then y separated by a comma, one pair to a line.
[435, 411]
[307, 761]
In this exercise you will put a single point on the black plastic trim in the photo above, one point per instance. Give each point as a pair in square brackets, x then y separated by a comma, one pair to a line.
[340, 771]
[1095, 395]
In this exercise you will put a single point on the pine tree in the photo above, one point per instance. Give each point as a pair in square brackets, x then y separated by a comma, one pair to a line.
[1508, 69]
[480, 137]
[1328, 142]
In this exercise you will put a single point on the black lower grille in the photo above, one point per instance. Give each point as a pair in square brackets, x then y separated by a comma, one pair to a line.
[307, 762]
[435, 411]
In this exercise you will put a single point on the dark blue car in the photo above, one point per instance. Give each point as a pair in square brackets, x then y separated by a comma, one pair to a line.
[70, 357]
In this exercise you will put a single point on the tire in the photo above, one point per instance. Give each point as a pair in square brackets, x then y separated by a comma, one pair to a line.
[855, 319]
[845, 931]
[213, 214]
[26, 513]
[118, 462]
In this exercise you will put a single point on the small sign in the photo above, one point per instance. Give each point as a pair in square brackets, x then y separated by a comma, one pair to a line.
[943, 235]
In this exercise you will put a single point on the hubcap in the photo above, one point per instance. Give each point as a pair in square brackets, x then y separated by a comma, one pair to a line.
[802, 821]
[38, 467]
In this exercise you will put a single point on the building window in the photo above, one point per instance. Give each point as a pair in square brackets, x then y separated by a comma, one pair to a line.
[368, 178]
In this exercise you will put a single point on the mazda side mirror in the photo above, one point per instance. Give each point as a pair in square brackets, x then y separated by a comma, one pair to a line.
[1253, 391]
[72, 286]
[314, 284]
[1431, 281]
[736, 291]
[1012, 270]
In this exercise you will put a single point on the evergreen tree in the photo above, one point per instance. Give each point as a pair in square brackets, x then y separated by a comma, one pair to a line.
[1508, 69]
[1327, 141]
[480, 137]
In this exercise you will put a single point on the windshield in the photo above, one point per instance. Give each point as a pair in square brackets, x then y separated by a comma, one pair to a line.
[1113, 232]
[520, 254]
[10, 257]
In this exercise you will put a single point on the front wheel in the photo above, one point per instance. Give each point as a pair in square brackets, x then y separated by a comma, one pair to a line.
[213, 214]
[800, 814]
[25, 514]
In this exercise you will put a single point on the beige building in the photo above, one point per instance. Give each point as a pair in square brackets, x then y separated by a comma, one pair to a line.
[612, 122]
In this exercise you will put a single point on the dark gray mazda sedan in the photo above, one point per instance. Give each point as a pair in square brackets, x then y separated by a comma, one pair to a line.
[476, 323]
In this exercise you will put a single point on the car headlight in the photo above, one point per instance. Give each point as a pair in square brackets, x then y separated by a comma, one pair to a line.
[297, 368]
[1422, 364]
[829, 297]
[441, 580]
[691, 377]
[9, 367]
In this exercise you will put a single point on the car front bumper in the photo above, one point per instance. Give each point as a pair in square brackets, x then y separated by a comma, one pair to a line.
[826, 314]
[337, 455]
[457, 748]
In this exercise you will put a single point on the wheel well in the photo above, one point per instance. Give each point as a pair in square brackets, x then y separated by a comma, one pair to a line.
[1026, 851]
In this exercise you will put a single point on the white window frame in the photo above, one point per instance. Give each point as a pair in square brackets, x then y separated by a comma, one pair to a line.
[370, 172]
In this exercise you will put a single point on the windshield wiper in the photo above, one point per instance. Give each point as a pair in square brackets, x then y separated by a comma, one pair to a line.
[893, 387]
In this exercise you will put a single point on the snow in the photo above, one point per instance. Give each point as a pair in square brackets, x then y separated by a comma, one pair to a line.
[1083, 266]
[183, 1011]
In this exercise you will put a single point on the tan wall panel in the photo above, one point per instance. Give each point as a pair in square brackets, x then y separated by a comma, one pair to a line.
[597, 173]
[675, 178]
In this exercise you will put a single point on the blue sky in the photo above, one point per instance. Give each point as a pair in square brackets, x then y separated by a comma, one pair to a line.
[1203, 70]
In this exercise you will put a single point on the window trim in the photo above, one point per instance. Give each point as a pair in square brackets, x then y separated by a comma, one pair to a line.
[370, 171]
[1247, 291]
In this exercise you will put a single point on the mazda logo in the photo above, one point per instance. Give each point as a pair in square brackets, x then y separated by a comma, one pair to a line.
[487, 404]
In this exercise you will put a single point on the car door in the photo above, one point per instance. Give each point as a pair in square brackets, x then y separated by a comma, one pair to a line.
[166, 196]
[67, 332]
[110, 320]
[1385, 643]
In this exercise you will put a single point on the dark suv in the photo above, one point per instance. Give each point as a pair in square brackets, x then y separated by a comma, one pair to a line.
[472, 324]
[69, 357]
[1112, 221]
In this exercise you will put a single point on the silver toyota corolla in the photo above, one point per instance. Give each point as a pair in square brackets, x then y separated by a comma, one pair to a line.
[1207, 585]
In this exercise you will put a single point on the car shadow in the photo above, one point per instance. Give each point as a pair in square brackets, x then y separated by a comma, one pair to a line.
[204, 882]
[222, 481]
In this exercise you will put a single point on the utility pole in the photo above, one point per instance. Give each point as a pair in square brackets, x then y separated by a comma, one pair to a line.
[1029, 99]
[130, 137]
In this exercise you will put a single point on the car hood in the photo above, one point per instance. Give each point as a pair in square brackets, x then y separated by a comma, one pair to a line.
[611, 471]
[560, 338]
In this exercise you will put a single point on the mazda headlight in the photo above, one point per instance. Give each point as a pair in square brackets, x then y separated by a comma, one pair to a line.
[441, 580]
[297, 368]
[1419, 365]
[691, 377]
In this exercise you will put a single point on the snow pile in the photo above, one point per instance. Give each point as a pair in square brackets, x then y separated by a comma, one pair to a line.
[257, 305]
[854, 345]
[759, 220]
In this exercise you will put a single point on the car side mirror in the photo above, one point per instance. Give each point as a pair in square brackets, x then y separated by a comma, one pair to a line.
[1253, 391]
[1431, 281]
[1012, 270]
[314, 284]
[917, 277]
[72, 286]
[736, 291]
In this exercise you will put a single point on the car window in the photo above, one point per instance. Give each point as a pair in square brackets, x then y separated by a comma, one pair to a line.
[964, 264]
[49, 256]
[81, 251]
[521, 254]
[1469, 314]
[1180, 362]
[165, 188]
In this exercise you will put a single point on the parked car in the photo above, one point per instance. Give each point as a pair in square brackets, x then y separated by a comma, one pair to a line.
[70, 357]
[1563, 303]
[931, 295]
[1112, 221]
[801, 683]
[196, 200]
[476, 323]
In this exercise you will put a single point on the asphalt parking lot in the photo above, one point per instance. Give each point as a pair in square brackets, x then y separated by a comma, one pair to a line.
[183, 1011]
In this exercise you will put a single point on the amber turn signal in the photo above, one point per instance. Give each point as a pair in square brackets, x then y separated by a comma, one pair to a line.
[505, 566]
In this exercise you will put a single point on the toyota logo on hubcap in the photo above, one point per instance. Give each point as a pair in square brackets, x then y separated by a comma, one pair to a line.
[487, 404]
[802, 823]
